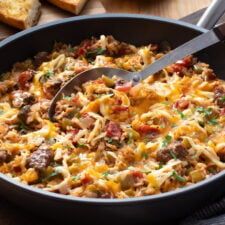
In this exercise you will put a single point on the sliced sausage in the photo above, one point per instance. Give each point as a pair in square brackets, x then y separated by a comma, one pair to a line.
[175, 149]
[4, 156]
[25, 78]
[40, 158]
[51, 87]
[113, 130]
[219, 97]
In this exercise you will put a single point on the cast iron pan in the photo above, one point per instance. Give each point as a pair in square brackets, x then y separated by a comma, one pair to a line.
[138, 30]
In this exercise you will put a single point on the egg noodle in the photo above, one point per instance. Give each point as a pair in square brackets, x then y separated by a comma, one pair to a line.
[111, 139]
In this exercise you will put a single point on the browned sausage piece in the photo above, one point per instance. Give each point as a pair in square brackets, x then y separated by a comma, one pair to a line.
[219, 97]
[4, 156]
[40, 158]
[21, 98]
[174, 150]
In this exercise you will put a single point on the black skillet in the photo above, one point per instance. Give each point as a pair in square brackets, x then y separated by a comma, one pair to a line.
[138, 30]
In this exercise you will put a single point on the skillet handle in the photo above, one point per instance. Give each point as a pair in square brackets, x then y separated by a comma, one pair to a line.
[220, 31]
[212, 14]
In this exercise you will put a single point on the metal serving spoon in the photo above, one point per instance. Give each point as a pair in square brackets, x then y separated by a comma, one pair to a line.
[203, 41]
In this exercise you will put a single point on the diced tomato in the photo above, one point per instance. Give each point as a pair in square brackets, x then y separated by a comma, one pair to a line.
[74, 131]
[137, 174]
[24, 79]
[222, 112]
[120, 108]
[182, 104]
[145, 129]
[186, 62]
[83, 48]
[123, 86]
[113, 130]
[86, 179]
[180, 65]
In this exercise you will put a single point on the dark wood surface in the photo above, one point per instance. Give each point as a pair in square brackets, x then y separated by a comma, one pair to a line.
[12, 215]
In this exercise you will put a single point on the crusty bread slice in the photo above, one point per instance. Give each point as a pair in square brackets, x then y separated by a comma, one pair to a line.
[73, 6]
[21, 14]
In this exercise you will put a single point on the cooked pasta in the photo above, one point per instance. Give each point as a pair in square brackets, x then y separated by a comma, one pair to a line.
[111, 139]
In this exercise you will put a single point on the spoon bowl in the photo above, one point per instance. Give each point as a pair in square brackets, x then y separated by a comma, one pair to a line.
[85, 76]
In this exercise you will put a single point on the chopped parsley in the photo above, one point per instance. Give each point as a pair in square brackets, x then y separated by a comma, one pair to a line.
[206, 112]
[178, 177]
[105, 174]
[114, 142]
[50, 176]
[1, 112]
[167, 140]
[172, 154]
[74, 178]
[182, 116]
[222, 99]
[91, 55]
[46, 76]
[213, 121]
[144, 155]
[67, 97]
[81, 145]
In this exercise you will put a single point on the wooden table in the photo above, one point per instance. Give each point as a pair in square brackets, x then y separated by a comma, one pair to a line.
[167, 8]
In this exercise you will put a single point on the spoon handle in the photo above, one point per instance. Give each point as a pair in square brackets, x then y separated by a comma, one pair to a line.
[203, 41]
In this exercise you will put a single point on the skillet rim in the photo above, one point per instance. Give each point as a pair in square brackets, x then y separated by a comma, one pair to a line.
[96, 201]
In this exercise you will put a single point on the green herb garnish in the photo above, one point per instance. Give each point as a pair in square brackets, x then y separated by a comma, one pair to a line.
[144, 155]
[105, 174]
[67, 97]
[50, 176]
[91, 55]
[206, 112]
[74, 178]
[222, 99]
[213, 121]
[172, 154]
[1, 112]
[167, 140]
[46, 76]
[81, 145]
[182, 116]
[178, 177]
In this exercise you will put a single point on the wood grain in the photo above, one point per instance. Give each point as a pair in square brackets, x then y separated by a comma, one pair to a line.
[166, 8]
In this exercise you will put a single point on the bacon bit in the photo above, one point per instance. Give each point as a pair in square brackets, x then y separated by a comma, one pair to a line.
[222, 112]
[180, 65]
[182, 104]
[113, 130]
[137, 174]
[75, 100]
[118, 101]
[123, 86]
[24, 78]
[185, 62]
[86, 179]
[145, 129]
[120, 108]
[85, 45]
[74, 131]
